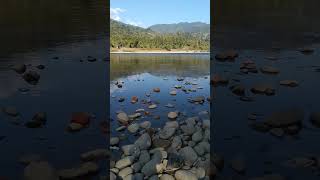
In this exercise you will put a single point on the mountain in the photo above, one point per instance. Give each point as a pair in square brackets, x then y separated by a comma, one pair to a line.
[128, 36]
[193, 27]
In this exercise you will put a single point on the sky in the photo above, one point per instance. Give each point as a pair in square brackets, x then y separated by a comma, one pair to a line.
[145, 13]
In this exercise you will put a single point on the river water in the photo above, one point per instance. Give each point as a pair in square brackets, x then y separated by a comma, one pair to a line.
[59, 35]
[269, 33]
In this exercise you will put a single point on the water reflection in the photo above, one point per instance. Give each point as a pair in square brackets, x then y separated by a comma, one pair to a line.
[168, 65]
[265, 23]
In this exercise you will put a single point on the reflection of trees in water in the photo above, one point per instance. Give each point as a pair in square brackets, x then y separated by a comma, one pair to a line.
[33, 24]
[289, 21]
[122, 65]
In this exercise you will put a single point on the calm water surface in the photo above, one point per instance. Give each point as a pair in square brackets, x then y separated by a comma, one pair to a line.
[266, 29]
[34, 33]
[140, 73]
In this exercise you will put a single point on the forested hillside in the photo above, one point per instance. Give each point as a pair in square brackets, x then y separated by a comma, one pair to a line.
[128, 36]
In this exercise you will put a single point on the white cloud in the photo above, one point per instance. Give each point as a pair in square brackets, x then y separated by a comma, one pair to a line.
[134, 23]
[115, 13]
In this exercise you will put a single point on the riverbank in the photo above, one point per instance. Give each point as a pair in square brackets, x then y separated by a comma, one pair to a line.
[155, 51]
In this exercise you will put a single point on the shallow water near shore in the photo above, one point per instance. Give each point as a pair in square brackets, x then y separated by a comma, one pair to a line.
[139, 75]
[262, 38]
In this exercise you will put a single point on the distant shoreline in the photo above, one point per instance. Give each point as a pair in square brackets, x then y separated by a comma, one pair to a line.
[157, 51]
[160, 52]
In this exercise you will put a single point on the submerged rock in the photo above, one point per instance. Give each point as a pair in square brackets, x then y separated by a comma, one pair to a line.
[156, 90]
[19, 68]
[84, 169]
[40, 171]
[290, 83]
[10, 111]
[31, 77]
[285, 118]
[269, 70]
[315, 118]
[123, 118]
[172, 115]
[227, 55]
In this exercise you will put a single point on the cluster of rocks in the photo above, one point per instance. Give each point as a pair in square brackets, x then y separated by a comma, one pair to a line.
[179, 150]
[31, 76]
[39, 169]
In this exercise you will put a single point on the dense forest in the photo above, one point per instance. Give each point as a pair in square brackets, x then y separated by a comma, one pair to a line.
[127, 36]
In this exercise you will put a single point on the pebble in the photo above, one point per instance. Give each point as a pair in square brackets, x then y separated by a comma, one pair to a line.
[32, 77]
[166, 177]
[114, 141]
[133, 128]
[172, 115]
[124, 172]
[167, 132]
[145, 124]
[19, 68]
[173, 93]
[123, 118]
[290, 83]
[156, 90]
[144, 141]
[189, 155]
[95, 154]
[185, 175]
[124, 162]
[152, 106]
[10, 111]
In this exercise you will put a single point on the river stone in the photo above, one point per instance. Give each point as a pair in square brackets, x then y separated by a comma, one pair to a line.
[198, 99]
[95, 154]
[206, 124]
[152, 106]
[125, 172]
[166, 177]
[197, 136]
[40, 171]
[238, 89]
[131, 150]
[10, 111]
[315, 118]
[134, 116]
[263, 89]
[269, 70]
[144, 141]
[114, 141]
[218, 80]
[32, 77]
[134, 99]
[123, 118]
[156, 90]
[229, 55]
[75, 127]
[136, 167]
[173, 93]
[185, 175]
[152, 167]
[189, 155]
[176, 142]
[171, 124]
[113, 176]
[161, 143]
[145, 124]
[172, 115]
[202, 148]
[144, 157]
[285, 118]
[124, 162]
[133, 128]
[166, 133]
[137, 176]
[188, 129]
[83, 170]
[290, 83]
[19, 68]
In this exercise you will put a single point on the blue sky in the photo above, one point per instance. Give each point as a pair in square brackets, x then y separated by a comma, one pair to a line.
[145, 13]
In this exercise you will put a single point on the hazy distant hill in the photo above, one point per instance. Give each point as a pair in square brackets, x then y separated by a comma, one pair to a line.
[193, 27]
[194, 36]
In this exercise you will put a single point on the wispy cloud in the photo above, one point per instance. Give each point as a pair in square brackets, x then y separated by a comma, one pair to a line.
[115, 13]
[134, 23]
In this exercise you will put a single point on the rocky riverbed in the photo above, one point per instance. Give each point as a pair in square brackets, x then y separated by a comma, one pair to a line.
[52, 126]
[265, 113]
[161, 123]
